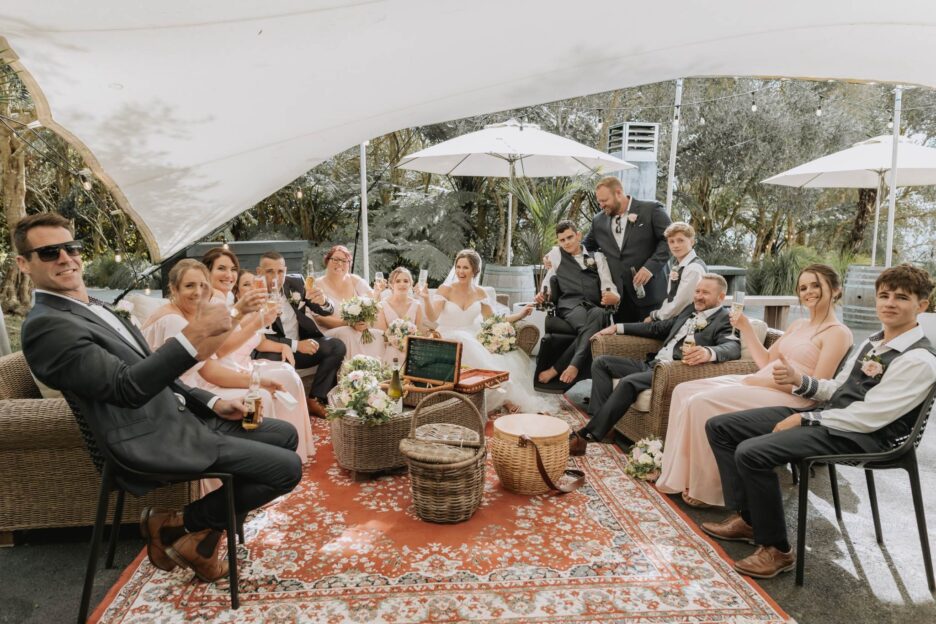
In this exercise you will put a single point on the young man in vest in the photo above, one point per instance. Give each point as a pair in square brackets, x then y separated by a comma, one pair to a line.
[870, 406]
[584, 291]
[685, 271]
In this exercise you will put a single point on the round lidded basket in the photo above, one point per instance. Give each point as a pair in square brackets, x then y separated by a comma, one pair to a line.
[447, 492]
[515, 464]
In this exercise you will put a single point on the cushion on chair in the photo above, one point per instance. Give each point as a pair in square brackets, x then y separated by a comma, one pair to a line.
[144, 306]
[642, 404]
[760, 330]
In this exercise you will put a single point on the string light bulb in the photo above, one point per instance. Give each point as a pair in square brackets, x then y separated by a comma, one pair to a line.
[225, 246]
[753, 103]
[118, 258]
[147, 291]
[86, 184]
[819, 108]
[890, 124]
[299, 194]
[701, 120]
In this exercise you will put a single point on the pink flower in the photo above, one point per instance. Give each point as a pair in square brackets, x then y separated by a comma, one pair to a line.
[872, 368]
[674, 275]
[632, 217]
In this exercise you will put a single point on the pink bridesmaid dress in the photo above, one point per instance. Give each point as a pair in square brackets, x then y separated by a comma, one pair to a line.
[688, 461]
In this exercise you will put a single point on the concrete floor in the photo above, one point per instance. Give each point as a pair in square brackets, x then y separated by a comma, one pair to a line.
[849, 578]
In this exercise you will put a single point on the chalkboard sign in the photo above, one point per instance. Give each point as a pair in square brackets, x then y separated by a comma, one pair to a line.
[432, 360]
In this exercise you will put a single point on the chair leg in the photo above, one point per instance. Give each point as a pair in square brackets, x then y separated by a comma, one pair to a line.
[795, 472]
[913, 471]
[872, 495]
[97, 536]
[801, 523]
[232, 543]
[115, 529]
[833, 481]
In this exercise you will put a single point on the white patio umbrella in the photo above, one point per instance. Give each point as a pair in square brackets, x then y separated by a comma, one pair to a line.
[510, 150]
[865, 165]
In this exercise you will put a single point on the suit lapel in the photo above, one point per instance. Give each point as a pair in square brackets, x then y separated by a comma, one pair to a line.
[680, 321]
[631, 209]
[78, 309]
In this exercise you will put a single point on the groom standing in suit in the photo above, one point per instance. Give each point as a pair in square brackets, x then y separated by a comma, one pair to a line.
[134, 403]
[710, 327]
[297, 329]
[629, 232]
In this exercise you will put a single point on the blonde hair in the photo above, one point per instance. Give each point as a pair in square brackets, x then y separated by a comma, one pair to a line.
[180, 268]
[718, 279]
[398, 271]
[611, 183]
[679, 227]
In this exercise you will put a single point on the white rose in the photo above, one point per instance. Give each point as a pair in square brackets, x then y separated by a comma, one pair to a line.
[125, 305]
[367, 301]
[353, 310]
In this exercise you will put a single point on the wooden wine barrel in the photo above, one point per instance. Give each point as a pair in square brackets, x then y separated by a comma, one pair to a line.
[858, 311]
[515, 281]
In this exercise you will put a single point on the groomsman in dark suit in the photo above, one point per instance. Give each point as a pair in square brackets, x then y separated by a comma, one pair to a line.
[134, 403]
[870, 406]
[705, 319]
[629, 232]
[296, 328]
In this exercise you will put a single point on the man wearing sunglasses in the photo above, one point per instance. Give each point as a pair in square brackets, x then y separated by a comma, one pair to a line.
[133, 402]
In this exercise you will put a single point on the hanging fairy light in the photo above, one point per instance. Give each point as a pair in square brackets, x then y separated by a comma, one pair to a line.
[753, 103]
[819, 108]
[299, 194]
[890, 124]
[701, 120]
[86, 184]
[147, 291]
[224, 245]
[118, 258]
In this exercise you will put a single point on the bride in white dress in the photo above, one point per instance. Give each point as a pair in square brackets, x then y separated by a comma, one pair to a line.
[458, 309]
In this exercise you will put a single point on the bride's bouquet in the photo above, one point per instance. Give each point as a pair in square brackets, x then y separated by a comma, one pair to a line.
[358, 395]
[497, 335]
[398, 330]
[367, 364]
[358, 310]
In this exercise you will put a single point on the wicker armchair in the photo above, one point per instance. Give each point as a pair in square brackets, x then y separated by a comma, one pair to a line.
[49, 480]
[642, 420]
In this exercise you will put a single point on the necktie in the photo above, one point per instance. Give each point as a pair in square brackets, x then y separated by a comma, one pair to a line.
[617, 225]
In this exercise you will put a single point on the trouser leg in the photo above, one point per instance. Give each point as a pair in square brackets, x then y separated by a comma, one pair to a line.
[328, 358]
[607, 405]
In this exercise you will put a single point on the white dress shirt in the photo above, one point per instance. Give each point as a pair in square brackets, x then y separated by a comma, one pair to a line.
[665, 354]
[903, 386]
[601, 263]
[619, 238]
[691, 276]
[290, 325]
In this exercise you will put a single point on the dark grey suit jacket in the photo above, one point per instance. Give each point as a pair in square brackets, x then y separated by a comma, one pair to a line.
[308, 328]
[127, 395]
[716, 334]
[644, 246]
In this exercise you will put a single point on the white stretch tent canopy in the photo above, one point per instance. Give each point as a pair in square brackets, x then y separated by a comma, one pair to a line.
[191, 112]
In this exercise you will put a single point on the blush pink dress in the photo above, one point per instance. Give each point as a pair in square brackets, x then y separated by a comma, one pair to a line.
[688, 461]
[391, 315]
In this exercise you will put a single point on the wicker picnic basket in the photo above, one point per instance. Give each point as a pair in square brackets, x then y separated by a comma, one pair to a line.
[447, 492]
[515, 459]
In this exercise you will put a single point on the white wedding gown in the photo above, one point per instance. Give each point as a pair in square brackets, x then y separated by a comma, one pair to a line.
[463, 325]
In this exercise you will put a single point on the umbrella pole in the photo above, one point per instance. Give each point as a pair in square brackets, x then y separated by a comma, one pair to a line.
[510, 213]
[892, 200]
[674, 144]
[877, 218]
[365, 238]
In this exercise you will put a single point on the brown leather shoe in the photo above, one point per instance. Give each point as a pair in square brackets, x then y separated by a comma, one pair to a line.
[156, 527]
[199, 551]
[766, 562]
[316, 409]
[577, 445]
[731, 529]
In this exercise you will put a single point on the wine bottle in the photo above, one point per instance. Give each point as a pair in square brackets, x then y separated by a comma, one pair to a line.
[395, 391]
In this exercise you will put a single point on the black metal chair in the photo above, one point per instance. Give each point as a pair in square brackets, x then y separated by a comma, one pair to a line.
[902, 456]
[113, 475]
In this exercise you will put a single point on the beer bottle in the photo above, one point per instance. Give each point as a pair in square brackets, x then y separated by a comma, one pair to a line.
[395, 391]
[254, 402]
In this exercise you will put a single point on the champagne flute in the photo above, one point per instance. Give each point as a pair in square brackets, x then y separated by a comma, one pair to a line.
[378, 278]
[423, 277]
[737, 306]
[259, 283]
[273, 304]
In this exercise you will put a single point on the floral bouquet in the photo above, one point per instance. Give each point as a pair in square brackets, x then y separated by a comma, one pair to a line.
[358, 310]
[645, 459]
[497, 335]
[398, 330]
[367, 364]
[359, 396]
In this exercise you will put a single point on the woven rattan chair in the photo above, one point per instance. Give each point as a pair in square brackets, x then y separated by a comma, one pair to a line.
[902, 456]
[113, 475]
[635, 424]
[49, 479]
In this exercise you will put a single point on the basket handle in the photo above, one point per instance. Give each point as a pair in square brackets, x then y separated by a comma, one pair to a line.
[415, 422]
[575, 478]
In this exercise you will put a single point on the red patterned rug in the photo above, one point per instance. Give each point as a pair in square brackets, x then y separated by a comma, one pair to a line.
[338, 551]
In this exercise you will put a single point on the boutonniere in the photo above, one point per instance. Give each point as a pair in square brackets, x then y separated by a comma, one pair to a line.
[123, 309]
[674, 275]
[632, 217]
[295, 297]
[589, 262]
[701, 323]
[872, 366]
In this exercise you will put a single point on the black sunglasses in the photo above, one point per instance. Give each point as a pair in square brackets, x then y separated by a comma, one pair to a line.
[50, 253]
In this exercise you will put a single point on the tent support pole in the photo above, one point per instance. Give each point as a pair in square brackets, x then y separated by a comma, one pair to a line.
[674, 142]
[892, 200]
[510, 214]
[365, 238]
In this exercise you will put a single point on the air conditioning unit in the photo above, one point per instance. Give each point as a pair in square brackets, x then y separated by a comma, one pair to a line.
[634, 141]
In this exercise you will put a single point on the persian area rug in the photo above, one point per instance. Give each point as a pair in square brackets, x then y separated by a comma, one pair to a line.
[338, 551]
